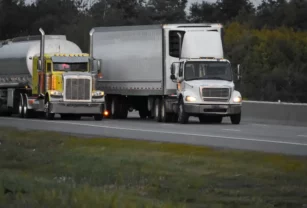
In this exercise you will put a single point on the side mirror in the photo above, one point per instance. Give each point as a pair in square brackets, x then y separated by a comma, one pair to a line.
[238, 72]
[95, 65]
[174, 69]
[99, 68]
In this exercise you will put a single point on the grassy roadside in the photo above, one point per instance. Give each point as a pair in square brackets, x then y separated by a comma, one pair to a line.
[44, 169]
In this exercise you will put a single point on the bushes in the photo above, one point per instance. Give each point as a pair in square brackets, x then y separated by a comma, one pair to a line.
[273, 62]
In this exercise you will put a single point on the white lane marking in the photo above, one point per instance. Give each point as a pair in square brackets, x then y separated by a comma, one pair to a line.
[164, 132]
[263, 125]
[302, 136]
[231, 129]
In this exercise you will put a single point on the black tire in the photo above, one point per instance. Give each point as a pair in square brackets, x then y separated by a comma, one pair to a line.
[48, 115]
[124, 111]
[64, 116]
[157, 110]
[143, 113]
[183, 117]
[98, 117]
[122, 107]
[28, 113]
[235, 119]
[165, 117]
[77, 117]
[115, 108]
[20, 107]
[203, 119]
[217, 119]
[108, 106]
[174, 117]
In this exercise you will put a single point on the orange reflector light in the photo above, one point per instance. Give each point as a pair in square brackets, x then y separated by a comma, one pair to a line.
[105, 113]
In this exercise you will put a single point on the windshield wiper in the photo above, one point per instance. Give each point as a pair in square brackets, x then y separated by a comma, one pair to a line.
[197, 78]
[219, 78]
[216, 78]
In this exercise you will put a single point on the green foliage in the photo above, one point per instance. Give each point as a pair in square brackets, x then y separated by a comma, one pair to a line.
[268, 41]
[273, 62]
[45, 169]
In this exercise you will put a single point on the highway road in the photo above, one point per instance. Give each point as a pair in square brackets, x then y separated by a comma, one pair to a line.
[247, 136]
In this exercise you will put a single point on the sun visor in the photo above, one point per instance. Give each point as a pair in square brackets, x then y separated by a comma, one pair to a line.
[63, 59]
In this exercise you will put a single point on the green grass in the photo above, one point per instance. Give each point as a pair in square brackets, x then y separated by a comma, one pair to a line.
[45, 169]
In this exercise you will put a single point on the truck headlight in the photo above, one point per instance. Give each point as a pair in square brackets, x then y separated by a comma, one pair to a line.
[98, 94]
[190, 99]
[56, 93]
[237, 99]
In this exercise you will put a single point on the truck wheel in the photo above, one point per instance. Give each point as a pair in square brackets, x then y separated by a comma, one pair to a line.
[157, 110]
[235, 119]
[165, 117]
[124, 112]
[77, 117]
[48, 115]
[217, 119]
[108, 105]
[203, 119]
[20, 107]
[98, 117]
[26, 111]
[143, 113]
[115, 111]
[183, 117]
[174, 117]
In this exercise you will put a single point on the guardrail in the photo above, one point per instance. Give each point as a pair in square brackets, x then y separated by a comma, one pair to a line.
[275, 112]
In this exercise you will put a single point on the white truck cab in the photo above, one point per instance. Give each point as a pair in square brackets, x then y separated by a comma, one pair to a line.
[205, 88]
[205, 81]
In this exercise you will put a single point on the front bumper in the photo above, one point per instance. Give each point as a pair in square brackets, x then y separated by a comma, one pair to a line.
[213, 109]
[77, 108]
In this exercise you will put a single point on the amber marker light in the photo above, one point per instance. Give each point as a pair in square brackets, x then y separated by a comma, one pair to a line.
[106, 113]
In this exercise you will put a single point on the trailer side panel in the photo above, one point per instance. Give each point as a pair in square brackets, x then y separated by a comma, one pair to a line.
[132, 59]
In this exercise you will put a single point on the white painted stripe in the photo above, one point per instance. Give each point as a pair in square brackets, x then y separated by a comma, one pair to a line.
[162, 132]
[231, 129]
[302, 136]
[263, 125]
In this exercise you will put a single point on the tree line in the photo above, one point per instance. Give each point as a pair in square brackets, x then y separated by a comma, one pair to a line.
[268, 41]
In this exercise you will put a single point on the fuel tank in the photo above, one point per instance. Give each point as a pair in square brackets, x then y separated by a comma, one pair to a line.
[15, 54]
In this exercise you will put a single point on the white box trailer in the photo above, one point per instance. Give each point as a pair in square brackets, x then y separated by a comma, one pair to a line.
[139, 64]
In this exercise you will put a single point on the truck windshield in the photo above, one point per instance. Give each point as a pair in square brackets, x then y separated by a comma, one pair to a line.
[207, 70]
[80, 67]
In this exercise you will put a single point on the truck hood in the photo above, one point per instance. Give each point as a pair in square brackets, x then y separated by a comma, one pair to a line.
[210, 83]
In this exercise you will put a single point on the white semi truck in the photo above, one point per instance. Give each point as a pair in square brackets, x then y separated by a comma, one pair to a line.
[48, 75]
[168, 72]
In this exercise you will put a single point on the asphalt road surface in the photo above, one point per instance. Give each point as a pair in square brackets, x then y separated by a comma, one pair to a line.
[247, 136]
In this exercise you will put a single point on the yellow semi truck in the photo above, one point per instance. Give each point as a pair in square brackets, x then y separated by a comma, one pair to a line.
[48, 75]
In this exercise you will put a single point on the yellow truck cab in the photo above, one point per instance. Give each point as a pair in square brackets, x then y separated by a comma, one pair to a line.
[60, 81]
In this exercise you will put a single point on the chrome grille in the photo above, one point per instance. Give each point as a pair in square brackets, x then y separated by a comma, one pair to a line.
[215, 99]
[216, 93]
[77, 89]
